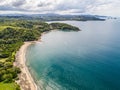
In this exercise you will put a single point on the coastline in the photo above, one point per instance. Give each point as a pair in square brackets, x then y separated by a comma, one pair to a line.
[26, 80]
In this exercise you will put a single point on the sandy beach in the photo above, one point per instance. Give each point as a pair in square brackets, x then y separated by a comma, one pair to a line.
[25, 81]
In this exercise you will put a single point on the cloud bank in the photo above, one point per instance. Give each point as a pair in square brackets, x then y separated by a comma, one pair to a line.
[100, 7]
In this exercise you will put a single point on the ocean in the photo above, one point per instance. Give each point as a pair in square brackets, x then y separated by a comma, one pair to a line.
[84, 60]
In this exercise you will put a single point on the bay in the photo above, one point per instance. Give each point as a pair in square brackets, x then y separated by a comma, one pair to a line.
[84, 60]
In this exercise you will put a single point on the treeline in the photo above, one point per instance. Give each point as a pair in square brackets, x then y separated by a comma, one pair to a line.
[13, 33]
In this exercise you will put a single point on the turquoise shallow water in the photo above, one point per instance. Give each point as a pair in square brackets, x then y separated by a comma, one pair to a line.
[84, 60]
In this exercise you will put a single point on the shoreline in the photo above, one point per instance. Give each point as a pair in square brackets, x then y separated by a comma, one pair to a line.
[26, 80]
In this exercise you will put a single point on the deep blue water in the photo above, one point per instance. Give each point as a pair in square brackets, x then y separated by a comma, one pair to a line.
[84, 60]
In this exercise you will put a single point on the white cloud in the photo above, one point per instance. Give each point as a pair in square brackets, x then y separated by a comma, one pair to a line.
[102, 7]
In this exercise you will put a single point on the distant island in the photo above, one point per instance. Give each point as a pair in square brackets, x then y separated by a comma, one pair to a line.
[56, 17]
[13, 34]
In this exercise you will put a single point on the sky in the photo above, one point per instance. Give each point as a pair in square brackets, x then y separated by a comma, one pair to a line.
[95, 7]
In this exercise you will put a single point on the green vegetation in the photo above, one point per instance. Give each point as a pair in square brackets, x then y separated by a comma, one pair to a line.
[13, 33]
[9, 86]
[64, 27]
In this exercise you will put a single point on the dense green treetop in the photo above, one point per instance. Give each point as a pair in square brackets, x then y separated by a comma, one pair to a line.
[64, 27]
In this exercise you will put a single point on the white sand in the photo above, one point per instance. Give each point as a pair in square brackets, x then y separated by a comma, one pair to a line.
[25, 81]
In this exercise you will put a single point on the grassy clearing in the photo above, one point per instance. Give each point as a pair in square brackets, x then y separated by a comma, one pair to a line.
[7, 86]
[4, 27]
[3, 59]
